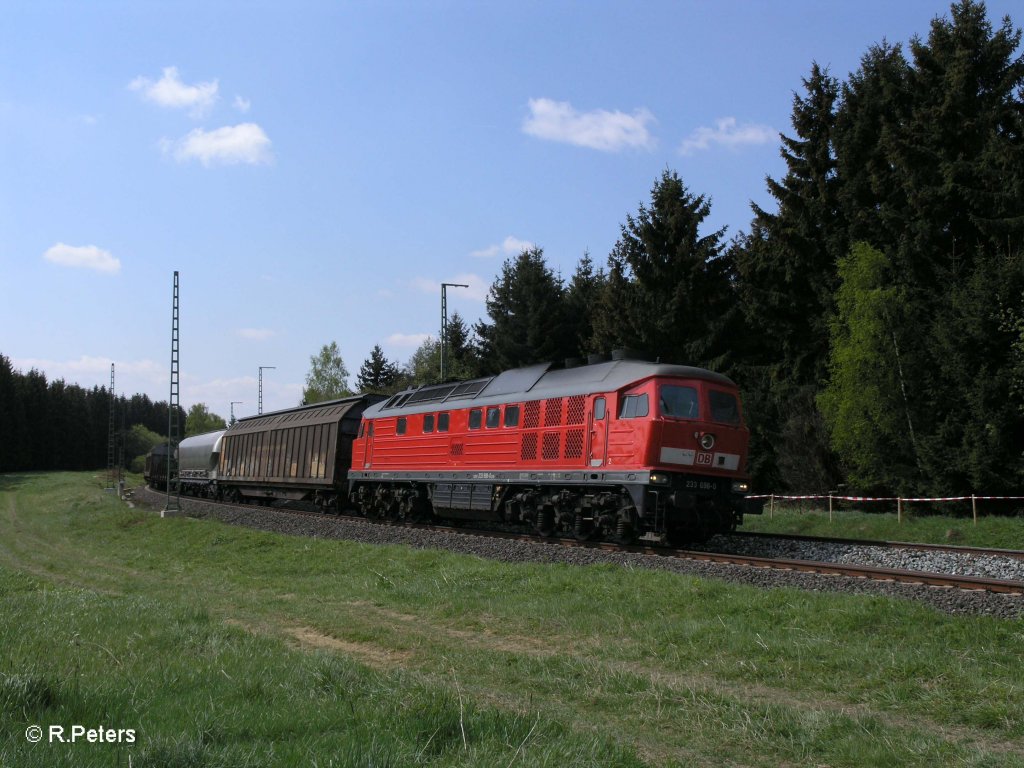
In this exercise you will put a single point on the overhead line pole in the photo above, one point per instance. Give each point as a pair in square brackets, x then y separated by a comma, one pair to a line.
[261, 370]
[444, 316]
[110, 433]
[173, 406]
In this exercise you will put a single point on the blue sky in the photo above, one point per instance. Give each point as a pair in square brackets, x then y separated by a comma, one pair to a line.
[314, 170]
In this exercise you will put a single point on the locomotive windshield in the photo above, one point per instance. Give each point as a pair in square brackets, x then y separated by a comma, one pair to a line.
[724, 407]
[679, 402]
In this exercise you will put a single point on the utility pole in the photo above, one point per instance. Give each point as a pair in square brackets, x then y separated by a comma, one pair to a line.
[262, 369]
[444, 317]
[233, 404]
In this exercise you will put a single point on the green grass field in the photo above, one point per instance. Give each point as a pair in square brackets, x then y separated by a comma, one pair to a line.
[223, 646]
[1006, 532]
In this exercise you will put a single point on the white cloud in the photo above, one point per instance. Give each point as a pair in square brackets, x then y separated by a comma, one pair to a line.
[170, 91]
[85, 256]
[256, 334]
[411, 340]
[600, 129]
[242, 104]
[727, 133]
[233, 144]
[510, 246]
[477, 290]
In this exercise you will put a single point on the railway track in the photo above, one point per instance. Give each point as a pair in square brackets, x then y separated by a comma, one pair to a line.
[905, 576]
[849, 570]
[948, 548]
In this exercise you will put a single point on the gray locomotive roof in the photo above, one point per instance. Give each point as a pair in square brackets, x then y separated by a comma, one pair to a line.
[536, 382]
[194, 452]
[304, 415]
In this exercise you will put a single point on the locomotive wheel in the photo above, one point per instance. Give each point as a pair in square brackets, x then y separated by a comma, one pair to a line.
[625, 529]
[583, 529]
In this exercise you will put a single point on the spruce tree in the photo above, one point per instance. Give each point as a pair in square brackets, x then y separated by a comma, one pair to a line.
[681, 299]
[377, 374]
[527, 311]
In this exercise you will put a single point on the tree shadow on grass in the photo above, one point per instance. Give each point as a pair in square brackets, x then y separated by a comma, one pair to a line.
[11, 482]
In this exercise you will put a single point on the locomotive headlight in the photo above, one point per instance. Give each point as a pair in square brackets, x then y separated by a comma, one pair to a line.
[707, 441]
[740, 486]
[659, 478]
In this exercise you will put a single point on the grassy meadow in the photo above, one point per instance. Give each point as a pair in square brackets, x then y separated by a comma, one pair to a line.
[223, 646]
[915, 524]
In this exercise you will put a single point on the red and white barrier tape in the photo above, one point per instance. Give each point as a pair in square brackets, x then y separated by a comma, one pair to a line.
[782, 497]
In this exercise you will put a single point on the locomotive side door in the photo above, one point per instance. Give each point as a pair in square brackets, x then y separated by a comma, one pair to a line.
[598, 448]
[368, 446]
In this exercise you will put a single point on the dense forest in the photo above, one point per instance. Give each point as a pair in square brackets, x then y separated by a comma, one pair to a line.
[54, 425]
[874, 318]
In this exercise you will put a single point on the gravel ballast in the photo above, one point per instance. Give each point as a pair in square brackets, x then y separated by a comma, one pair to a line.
[953, 601]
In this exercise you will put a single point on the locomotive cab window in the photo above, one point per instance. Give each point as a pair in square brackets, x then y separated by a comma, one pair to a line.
[511, 415]
[493, 417]
[634, 407]
[400, 428]
[678, 401]
[599, 408]
[724, 407]
[442, 422]
[428, 423]
[476, 417]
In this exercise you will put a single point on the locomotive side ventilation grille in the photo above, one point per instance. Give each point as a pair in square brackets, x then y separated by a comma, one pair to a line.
[551, 445]
[531, 415]
[553, 412]
[574, 444]
[529, 449]
[576, 413]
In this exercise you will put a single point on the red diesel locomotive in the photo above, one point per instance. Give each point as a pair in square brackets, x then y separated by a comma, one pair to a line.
[624, 450]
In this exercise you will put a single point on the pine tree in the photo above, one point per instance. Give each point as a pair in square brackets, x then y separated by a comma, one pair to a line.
[787, 263]
[787, 276]
[581, 297]
[377, 374]
[527, 314]
[461, 358]
[680, 300]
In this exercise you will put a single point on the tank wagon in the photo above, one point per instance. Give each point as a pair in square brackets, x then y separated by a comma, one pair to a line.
[198, 462]
[296, 454]
[621, 449]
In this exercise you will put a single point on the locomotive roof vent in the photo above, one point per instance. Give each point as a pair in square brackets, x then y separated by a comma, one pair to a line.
[629, 354]
[594, 359]
[573, 362]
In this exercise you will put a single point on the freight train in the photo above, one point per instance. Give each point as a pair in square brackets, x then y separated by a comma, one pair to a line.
[619, 449]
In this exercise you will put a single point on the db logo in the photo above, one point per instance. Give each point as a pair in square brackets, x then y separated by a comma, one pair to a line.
[704, 458]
